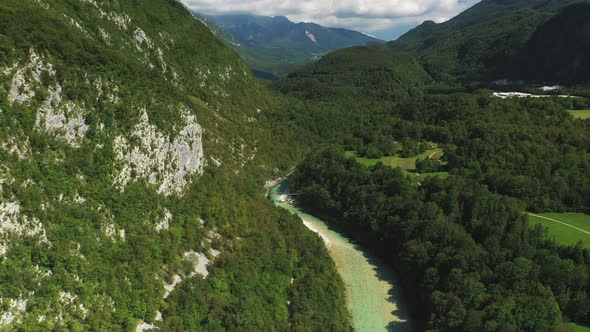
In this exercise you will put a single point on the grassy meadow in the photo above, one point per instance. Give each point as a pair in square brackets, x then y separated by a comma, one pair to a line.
[564, 234]
[583, 114]
[407, 164]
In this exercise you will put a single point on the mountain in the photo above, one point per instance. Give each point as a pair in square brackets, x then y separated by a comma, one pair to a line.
[372, 72]
[134, 146]
[559, 50]
[480, 14]
[484, 43]
[277, 46]
[493, 40]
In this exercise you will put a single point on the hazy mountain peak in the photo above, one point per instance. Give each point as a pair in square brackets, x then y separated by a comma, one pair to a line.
[275, 45]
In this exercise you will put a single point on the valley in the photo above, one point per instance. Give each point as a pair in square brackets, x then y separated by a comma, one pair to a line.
[134, 141]
[373, 293]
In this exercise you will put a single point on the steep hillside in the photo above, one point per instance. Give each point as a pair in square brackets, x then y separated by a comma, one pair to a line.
[559, 50]
[132, 148]
[277, 46]
[495, 39]
[482, 13]
[483, 43]
[374, 71]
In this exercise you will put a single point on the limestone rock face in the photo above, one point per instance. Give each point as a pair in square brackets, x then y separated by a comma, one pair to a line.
[107, 122]
[161, 160]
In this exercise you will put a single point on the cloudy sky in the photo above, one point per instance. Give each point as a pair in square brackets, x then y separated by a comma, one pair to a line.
[385, 19]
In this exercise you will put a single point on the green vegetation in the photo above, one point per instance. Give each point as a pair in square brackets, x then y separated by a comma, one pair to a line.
[274, 46]
[580, 114]
[565, 234]
[469, 256]
[105, 259]
[407, 164]
[460, 241]
[572, 327]
[464, 229]
[558, 50]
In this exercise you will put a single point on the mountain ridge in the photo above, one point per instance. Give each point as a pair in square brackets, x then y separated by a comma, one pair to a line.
[133, 149]
[276, 46]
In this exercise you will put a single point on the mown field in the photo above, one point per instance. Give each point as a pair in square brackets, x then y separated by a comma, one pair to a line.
[571, 327]
[568, 228]
[407, 164]
[584, 114]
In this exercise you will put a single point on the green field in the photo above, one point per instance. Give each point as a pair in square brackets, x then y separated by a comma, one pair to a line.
[578, 229]
[442, 175]
[585, 114]
[572, 327]
[407, 164]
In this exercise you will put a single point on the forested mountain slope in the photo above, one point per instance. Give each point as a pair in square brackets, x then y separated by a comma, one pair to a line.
[484, 43]
[133, 147]
[491, 41]
[371, 72]
[482, 13]
[559, 50]
[277, 46]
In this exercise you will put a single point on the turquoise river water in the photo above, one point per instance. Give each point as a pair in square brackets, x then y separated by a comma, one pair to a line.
[372, 297]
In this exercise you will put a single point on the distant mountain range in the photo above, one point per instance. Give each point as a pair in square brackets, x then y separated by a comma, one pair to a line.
[275, 46]
[531, 40]
[495, 38]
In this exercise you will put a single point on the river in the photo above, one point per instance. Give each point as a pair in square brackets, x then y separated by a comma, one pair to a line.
[373, 299]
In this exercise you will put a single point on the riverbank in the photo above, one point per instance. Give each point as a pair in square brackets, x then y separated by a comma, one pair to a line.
[372, 289]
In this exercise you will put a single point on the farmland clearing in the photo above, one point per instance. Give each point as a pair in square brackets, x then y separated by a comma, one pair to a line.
[567, 228]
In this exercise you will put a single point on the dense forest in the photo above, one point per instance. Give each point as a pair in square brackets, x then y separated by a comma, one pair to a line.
[463, 242]
[131, 138]
[468, 255]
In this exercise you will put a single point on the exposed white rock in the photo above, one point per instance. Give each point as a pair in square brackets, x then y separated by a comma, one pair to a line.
[142, 39]
[216, 161]
[111, 231]
[176, 279]
[64, 120]
[106, 37]
[160, 55]
[20, 91]
[79, 199]
[159, 159]
[76, 24]
[106, 90]
[16, 308]
[22, 87]
[226, 74]
[74, 306]
[121, 20]
[311, 36]
[143, 326]
[164, 224]
[20, 147]
[42, 4]
[13, 223]
[61, 118]
[200, 262]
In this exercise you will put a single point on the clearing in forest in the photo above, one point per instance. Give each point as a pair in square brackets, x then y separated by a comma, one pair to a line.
[407, 164]
[585, 114]
[567, 228]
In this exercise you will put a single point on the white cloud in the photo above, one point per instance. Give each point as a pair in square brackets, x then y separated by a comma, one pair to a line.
[362, 15]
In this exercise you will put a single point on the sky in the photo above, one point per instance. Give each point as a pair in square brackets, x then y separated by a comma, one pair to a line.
[385, 19]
